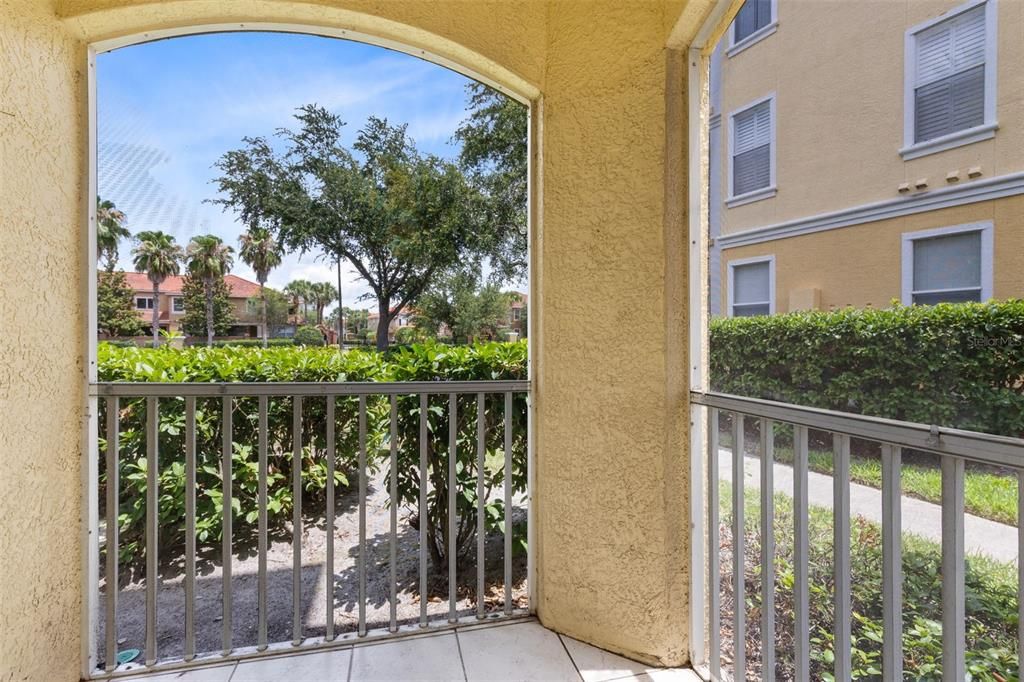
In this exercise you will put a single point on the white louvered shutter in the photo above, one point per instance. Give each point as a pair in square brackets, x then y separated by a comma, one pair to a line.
[949, 93]
[751, 160]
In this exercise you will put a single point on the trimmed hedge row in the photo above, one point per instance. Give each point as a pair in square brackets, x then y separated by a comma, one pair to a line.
[959, 365]
[235, 364]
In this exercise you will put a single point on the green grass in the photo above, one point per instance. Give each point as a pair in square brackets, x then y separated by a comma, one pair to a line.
[987, 494]
[990, 586]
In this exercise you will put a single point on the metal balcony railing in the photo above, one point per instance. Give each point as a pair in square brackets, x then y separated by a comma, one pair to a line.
[498, 408]
[954, 447]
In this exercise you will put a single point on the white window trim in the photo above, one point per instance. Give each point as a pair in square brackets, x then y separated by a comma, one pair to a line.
[907, 256]
[735, 47]
[143, 298]
[771, 280]
[174, 304]
[771, 190]
[986, 130]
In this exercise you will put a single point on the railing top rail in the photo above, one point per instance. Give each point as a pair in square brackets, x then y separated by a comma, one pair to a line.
[981, 447]
[302, 388]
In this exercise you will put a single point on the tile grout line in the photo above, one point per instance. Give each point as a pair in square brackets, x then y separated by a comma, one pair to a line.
[351, 662]
[571, 659]
[462, 661]
[234, 669]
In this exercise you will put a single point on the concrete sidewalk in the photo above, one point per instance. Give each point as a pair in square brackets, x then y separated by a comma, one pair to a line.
[981, 536]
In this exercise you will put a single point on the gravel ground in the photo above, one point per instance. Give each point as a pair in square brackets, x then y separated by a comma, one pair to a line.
[131, 621]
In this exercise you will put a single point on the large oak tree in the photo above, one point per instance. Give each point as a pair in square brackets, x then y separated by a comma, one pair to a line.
[398, 216]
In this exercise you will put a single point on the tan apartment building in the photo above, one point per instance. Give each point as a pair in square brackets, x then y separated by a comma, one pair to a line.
[863, 152]
[172, 303]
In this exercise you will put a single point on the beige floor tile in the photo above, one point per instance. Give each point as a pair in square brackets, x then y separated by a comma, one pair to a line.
[419, 659]
[524, 651]
[323, 666]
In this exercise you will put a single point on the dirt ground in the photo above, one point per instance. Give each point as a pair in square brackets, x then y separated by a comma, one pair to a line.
[131, 620]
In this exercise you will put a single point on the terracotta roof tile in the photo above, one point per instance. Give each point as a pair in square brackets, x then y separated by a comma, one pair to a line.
[240, 288]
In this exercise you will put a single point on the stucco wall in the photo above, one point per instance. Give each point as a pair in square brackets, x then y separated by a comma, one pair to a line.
[860, 266]
[41, 376]
[837, 71]
[610, 428]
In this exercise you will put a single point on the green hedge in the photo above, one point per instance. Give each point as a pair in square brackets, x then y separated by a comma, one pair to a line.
[235, 364]
[251, 343]
[956, 365]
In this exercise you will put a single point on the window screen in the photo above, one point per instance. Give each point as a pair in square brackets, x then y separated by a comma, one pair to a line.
[751, 289]
[947, 269]
[752, 138]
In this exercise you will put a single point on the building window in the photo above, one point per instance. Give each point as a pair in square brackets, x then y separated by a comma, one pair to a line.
[752, 286]
[950, 80]
[515, 314]
[143, 303]
[752, 152]
[948, 265]
[755, 20]
[179, 304]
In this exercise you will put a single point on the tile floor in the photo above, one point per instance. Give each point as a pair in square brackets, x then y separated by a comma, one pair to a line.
[522, 650]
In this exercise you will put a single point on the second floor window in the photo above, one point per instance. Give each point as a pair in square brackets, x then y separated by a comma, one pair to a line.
[751, 153]
[143, 303]
[951, 75]
[752, 17]
[179, 304]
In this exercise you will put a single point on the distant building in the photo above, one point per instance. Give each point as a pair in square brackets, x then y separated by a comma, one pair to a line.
[172, 303]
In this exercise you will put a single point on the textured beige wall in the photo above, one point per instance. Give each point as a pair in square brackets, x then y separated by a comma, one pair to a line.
[41, 374]
[611, 457]
[837, 71]
[860, 266]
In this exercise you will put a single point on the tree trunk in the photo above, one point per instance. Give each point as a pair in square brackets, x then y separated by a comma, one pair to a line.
[209, 313]
[156, 315]
[383, 324]
[263, 300]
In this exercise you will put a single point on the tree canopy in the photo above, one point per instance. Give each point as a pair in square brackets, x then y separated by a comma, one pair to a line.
[398, 216]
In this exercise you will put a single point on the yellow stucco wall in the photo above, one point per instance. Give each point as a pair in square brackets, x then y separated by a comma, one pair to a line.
[610, 429]
[837, 71]
[860, 266]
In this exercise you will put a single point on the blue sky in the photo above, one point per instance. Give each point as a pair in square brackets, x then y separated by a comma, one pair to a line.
[169, 109]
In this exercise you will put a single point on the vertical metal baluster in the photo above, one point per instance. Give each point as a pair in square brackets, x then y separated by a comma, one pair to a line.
[801, 586]
[714, 552]
[329, 569]
[508, 504]
[226, 480]
[481, 432]
[1020, 573]
[953, 605]
[296, 520]
[362, 516]
[423, 510]
[152, 522]
[190, 528]
[453, 492]
[892, 569]
[767, 550]
[112, 542]
[261, 587]
[841, 544]
[739, 616]
[394, 513]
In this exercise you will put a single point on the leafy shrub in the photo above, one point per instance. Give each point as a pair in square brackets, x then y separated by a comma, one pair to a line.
[252, 343]
[408, 335]
[234, 364]
[951, 364]
[308, 336]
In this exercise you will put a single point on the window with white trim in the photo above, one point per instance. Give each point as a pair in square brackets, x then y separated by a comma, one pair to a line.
[951, 75]
[144, 303]
[178, 304]
[948, 265]
[751, 152]
[752, 287]
[752, 17]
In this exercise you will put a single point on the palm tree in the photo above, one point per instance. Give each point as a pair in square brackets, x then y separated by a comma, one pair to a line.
[301, 291]
[159, 257]
[209, 259]
[110, 230]
[261, 252]
[323, 294]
